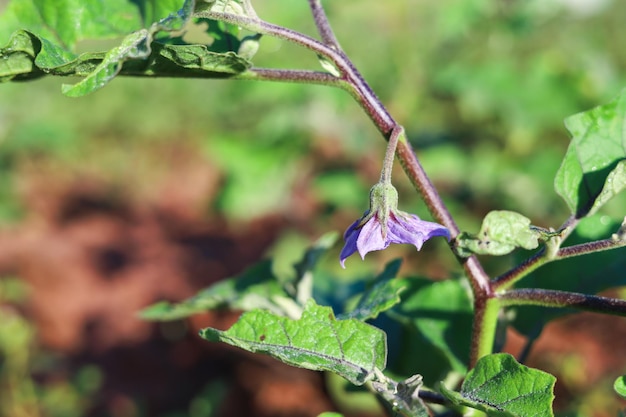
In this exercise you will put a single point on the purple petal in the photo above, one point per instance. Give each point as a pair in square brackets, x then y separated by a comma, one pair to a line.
[350, 236]
[371, 237]
[408, 228]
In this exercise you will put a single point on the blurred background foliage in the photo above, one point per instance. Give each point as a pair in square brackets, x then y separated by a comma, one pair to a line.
[482, 87]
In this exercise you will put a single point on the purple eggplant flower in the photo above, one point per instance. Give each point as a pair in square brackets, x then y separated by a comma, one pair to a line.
[384, 224]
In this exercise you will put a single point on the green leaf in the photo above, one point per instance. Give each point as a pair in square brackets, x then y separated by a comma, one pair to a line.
[65, 22]
[501, 232]
[501, 387]
[135, 45]
[442, 313]
[17, 58]
[37, 51]
[381, 296]
[235, 7]
[620, 386]
[330, 414]
[255, 288]
[316, 341]
[597, 149]
[615, 183]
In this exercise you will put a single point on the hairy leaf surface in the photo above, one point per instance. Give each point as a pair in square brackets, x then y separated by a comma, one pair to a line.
[316, 341]
[501, 232]
[501, 387]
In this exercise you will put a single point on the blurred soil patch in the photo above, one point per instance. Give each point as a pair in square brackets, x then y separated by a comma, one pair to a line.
[93, 255]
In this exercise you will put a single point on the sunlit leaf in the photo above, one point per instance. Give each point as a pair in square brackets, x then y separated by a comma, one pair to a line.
[501, 232]
[316, 341]
[595, 155]
[37, 51]
[235, 7]
[501, 387]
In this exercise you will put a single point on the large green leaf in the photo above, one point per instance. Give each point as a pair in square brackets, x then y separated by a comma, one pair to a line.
[501, 387]
[316, 341]
[441, 312]
[38, 49]
[594, 157]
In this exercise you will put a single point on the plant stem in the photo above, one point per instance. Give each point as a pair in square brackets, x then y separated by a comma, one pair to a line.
[390, 152]
[288, 75]
[352, 81]
[514, 275]
[322, 24]
[555, 298]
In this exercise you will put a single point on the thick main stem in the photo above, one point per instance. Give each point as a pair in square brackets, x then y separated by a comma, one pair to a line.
[352, 81]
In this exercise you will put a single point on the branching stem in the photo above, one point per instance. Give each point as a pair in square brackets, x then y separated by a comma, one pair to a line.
[554, 298]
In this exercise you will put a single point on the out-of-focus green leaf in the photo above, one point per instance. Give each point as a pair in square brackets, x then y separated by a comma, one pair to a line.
[595, 155]
[316, 341]
[442, 313]
[501, 387]
[255, 288]
[303, 282]
[620, 386]
[29, 54]
[381, 296]
[501, 232]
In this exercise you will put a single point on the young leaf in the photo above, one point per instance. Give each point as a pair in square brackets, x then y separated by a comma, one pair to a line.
[501, 387]
[234, 7]
[135, 45]
[381, 296]
[501, 232]
[256, 288]
[594, 155]
[316, 341]
[442, 313]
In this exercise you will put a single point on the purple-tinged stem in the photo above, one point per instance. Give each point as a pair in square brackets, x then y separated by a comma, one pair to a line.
[560, 299]
[529, 265]
[323, 27]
